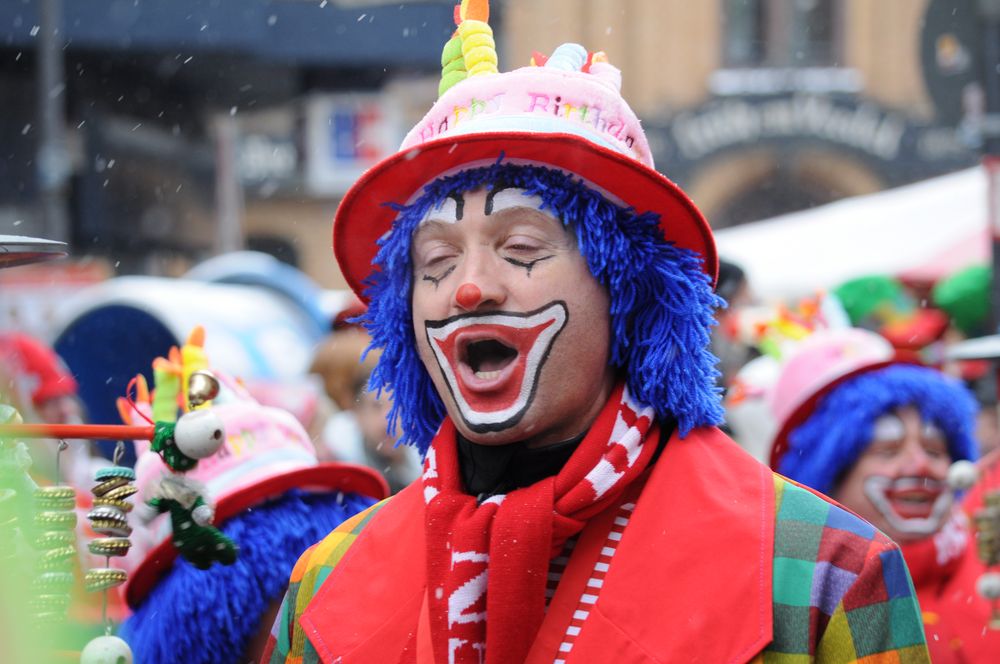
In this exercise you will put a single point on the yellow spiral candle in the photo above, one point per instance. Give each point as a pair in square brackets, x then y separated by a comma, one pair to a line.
[478, 47]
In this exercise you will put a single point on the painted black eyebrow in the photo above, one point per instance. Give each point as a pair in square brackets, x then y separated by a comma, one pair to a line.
[459, 205]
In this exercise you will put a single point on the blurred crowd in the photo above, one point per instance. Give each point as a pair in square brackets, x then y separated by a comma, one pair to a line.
[883, 395]
[924, 323]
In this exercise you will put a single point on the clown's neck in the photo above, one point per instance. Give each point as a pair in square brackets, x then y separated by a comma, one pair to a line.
[933, 559]
[490, 470]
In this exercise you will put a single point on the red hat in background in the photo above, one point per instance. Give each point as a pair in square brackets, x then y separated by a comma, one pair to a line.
[35, 368]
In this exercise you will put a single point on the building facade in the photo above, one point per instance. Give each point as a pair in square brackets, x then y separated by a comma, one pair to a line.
[194, 128]
[759, 107]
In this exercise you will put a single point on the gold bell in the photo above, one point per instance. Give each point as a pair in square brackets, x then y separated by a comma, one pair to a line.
[202, 387]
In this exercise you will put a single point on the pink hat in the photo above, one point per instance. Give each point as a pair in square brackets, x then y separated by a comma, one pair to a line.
[266, 453]
[822, 361]
[567, 114]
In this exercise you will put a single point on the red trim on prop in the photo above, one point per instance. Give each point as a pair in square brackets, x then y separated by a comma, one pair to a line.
[77, 431]
[363, 217]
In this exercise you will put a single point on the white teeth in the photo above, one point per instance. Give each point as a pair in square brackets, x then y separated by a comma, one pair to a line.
[487, 375]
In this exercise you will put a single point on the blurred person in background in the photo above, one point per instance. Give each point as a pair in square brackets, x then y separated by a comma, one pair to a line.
[338, 362]
[42, 388]
[727, 343]
[399, 463]
[358, 431]
[879, 436]
[771, 333]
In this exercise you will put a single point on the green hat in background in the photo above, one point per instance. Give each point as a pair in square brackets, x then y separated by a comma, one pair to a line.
[863, 298]
[965, 297]
[881, 304]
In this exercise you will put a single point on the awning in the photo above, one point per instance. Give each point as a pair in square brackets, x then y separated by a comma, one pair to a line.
[922, 231]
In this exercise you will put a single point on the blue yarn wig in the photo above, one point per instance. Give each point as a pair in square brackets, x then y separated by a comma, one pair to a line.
[824, 447]
[210, 616]
[662, 303]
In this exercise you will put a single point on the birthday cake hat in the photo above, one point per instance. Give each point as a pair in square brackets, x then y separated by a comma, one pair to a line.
[564, 112]
[266, 452]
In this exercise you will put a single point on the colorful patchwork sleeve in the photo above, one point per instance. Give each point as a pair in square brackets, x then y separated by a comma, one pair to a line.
[287, 643]
[842, 592]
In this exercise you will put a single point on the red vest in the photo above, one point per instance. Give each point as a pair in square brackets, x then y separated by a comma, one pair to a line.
[690, 581]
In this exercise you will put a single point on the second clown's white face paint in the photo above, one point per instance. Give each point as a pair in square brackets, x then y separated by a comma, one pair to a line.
[898, 482]
[511, 325]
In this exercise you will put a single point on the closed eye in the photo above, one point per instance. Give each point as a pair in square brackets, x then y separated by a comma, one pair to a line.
[439, 278]
[529, 264]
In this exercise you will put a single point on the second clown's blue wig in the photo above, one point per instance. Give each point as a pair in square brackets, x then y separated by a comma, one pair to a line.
[827, 444]
[662, 303]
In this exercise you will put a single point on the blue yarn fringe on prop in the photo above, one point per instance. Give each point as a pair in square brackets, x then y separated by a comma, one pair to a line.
[827, 444]
[210, 616]
[662, 303]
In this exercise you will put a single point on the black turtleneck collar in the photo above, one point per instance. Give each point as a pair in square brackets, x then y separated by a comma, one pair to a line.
[490, 470]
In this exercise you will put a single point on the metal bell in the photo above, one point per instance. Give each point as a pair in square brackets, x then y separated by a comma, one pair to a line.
[202, 387]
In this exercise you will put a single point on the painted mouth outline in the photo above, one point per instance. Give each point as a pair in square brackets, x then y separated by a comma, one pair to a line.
[880, 490]
[555, 313]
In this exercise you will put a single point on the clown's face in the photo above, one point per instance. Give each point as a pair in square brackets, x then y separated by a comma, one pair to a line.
[898, 483]
[511, 325]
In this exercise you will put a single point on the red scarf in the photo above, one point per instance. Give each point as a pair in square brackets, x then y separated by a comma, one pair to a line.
[492, 559]
[934, 559]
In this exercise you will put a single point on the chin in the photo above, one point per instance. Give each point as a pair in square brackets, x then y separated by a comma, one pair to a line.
[903, 538]
[512, 434]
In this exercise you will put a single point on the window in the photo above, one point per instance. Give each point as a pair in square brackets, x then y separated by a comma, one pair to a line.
[781, 33]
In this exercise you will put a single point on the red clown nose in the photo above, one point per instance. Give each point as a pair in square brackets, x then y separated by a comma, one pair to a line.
[468, 296]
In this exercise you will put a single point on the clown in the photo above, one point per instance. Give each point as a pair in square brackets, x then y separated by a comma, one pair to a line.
[543, 300]
[880, 436]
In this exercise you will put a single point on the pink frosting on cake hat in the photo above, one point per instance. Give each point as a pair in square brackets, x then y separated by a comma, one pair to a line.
[544, 100]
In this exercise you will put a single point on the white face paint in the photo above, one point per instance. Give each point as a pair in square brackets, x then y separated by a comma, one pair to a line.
[888, 427]
[881, 490]
[898, 482]
[511, 325]
[492, 393]
[445, 212]
[505, 199]
[451, 209]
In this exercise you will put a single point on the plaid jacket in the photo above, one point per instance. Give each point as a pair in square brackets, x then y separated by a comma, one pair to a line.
[839, 589]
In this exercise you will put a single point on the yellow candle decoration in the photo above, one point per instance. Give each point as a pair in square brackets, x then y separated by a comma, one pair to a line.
[478, 47]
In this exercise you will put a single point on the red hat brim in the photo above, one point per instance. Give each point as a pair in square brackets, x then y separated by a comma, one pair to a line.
[346, 477]
[363, 216]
